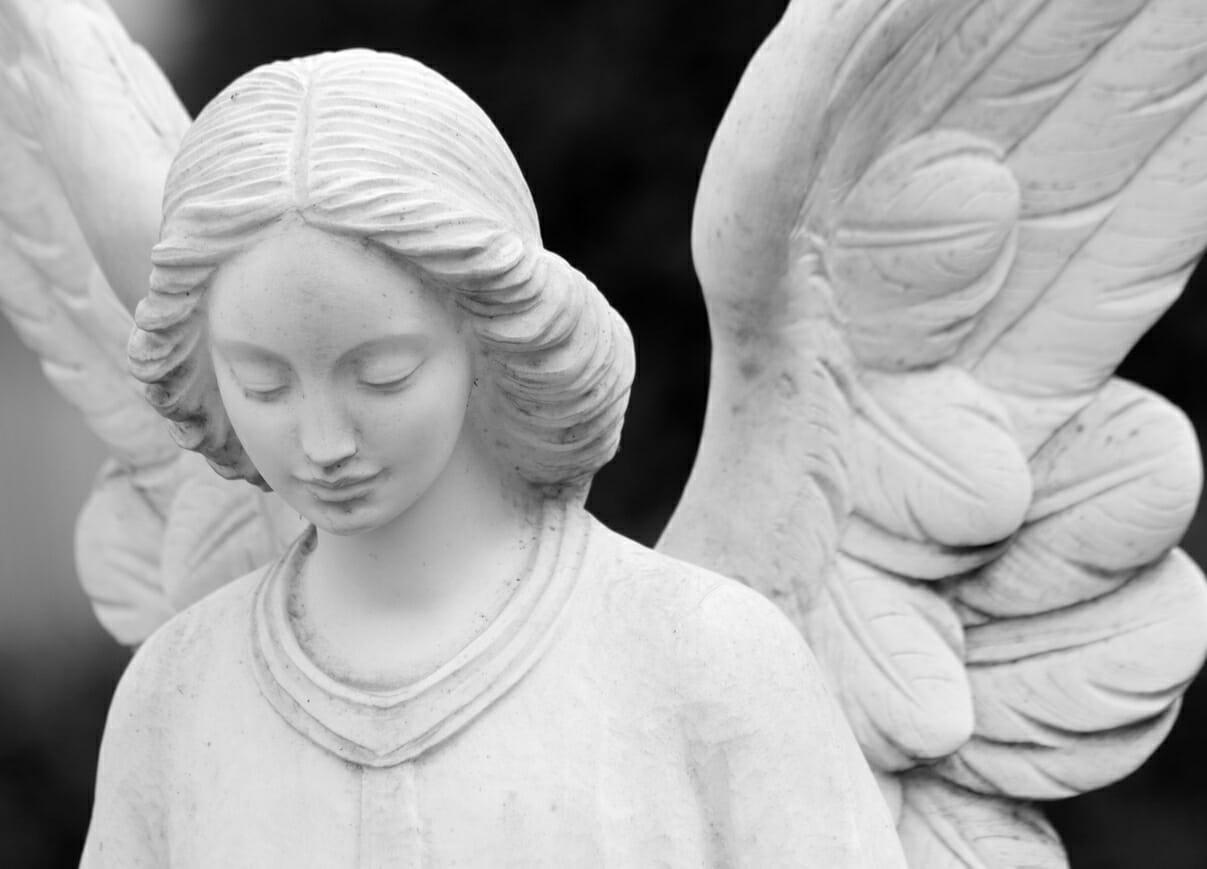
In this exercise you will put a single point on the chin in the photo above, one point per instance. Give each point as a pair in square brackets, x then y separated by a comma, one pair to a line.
[343, 529]
[347, 518]
[363, 511]
[353, 517]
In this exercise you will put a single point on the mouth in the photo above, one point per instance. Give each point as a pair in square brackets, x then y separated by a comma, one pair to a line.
[340, 489]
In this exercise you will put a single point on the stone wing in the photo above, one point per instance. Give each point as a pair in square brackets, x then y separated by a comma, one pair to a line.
[927, 232]
[88, 126]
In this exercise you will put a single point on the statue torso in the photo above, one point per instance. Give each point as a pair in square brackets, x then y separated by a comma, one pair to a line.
[585, 729]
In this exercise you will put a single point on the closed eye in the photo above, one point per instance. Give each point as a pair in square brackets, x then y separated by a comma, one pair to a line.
[265, 395]
[388, 386]
[388, 379]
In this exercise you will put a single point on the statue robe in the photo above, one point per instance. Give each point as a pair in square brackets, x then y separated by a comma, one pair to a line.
[624, 710]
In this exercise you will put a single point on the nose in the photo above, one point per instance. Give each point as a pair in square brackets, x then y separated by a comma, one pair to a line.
[326, 434]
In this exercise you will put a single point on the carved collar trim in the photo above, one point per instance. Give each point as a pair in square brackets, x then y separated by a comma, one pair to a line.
[390, 727]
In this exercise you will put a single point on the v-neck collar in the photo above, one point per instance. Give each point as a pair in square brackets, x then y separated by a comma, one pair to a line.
[390, 727]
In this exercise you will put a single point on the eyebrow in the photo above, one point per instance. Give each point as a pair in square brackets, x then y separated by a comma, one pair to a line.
[248, 350]
[404, 341]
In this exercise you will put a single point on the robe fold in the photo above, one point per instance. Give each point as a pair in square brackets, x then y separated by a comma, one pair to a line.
[624, 710]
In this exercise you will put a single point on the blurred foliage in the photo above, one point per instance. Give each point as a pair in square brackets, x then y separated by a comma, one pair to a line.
[609, 108]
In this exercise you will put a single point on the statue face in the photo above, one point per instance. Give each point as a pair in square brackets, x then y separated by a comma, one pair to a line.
[345, 378]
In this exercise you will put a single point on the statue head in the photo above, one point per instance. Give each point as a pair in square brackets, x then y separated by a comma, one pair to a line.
[384, 153]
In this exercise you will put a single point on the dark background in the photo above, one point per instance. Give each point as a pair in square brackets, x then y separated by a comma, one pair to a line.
[609, 108]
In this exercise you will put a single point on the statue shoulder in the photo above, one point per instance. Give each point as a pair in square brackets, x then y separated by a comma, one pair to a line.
[715, 630]
[140, 768]
[170, 662]
[778, 761]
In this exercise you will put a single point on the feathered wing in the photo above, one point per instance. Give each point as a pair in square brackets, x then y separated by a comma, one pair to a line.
[88, 126]
[927, 232]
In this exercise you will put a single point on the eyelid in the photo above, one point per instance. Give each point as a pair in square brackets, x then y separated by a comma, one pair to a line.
[387, 375]
[390, 385]
[261, 386]
[256, 387]
[263, 394]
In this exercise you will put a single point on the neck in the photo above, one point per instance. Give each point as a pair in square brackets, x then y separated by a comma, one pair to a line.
[390, 605]
[457, 533]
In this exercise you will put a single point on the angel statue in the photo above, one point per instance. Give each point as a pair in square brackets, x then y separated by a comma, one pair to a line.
[927, 233]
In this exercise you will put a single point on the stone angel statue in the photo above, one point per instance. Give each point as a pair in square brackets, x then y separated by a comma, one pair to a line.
[927, 233]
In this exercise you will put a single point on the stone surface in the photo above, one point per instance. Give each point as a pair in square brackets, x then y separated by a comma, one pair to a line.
[624, 710]
[454, 664]
[927, 232]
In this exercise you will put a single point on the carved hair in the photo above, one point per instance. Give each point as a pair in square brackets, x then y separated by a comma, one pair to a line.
[379, 147]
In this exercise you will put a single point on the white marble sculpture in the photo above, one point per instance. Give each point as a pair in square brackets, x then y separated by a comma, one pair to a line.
[927, 232]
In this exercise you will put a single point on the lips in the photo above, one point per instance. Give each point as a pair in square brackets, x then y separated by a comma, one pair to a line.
[339, 489]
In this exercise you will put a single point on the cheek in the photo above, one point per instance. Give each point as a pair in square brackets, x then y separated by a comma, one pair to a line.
[421, 430]
[262, 434]
[430, 432]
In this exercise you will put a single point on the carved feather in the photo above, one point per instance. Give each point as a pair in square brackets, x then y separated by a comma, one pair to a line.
[971, 210]
[59, 303]
[117, 547]
[936, 459]
[883, 630]
[106, 120]
[1116, 488]
[89, 125]
[1088, 626]
[946, 827]
[1071, 700]
[61, 306]
[218, 530]
[1110, 159]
